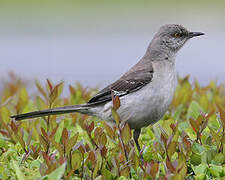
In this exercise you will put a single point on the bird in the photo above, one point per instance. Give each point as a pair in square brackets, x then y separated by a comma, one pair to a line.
[145, 91]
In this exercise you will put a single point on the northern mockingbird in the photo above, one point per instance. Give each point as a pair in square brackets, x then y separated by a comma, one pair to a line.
[145, 91]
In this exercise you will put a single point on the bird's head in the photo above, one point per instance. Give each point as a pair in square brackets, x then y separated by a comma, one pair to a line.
[172, 37]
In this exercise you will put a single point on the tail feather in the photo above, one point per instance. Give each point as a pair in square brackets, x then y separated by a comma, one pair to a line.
[53, 111]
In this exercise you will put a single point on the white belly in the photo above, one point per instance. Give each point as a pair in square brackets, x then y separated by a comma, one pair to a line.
[147, 105]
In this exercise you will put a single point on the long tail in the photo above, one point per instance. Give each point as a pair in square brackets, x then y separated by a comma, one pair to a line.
[53, 111]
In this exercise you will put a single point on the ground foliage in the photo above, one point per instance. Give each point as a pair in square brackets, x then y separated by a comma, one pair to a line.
[188, 143]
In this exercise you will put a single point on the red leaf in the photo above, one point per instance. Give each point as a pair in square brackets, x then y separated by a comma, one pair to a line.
[187, 142]
[72, 90]
[14, 127]
[50, 85]
[61, 160]
[90, 127]
[98, 131]
[121, 157]
[87, 148]
[4, 133]
[116, 102]
[210, 114]
[43, 142]
[102, 139]
[199, 121]
[222, 116]
[54, 131]
[170, 166]
[194, 125]
[81, 149]
[164, 139]
[172, 126]
[35, 152]
[33, 148]
[103, 151]
[44, 133]
[91, 156]
[55, 92]
[25, 156]
[154, 169]
[64, 136]
[46, 158]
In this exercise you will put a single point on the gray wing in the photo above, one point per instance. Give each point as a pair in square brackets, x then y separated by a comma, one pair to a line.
[130, 82]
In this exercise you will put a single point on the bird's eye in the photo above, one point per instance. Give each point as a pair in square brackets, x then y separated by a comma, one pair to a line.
[177, 35]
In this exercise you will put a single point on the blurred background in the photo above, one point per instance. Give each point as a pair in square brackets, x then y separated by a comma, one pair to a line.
[95, 42]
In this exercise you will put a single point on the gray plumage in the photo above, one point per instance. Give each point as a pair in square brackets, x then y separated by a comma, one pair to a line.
[145, 91]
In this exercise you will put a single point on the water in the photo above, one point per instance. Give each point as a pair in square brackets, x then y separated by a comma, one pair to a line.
[96, 50]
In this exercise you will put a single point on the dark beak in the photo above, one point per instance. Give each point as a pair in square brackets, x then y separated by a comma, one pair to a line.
[194, 34]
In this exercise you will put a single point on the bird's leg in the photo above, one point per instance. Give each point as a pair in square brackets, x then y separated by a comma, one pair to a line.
[136, 134]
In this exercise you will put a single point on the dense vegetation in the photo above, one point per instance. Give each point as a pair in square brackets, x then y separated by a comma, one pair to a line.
[189, 142]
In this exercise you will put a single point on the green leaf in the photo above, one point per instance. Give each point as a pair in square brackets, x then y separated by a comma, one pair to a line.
[59, 132]
[204, 102]
[109, 130]
[23, 98]
[219, 159]
[5, 114]
[96, 169]
[197, 148]
[72, 141]
[76, 159]
[122, 178]
[107, 174]
[215, 136]
[176, 177]
[178, 112]
[171, 148]
[200, 169]
[194, 110]
[200, 176]
[216, 170]
[116, 116]
[21, 141]
[57, 146]
[194, 125]
[54, 94]
[40, 88]
[57, 173]
[19, 173]
[40, 103]
[126, 134]
[196, 159]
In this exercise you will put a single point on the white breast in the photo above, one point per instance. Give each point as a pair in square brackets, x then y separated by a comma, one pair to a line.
[147, 105]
